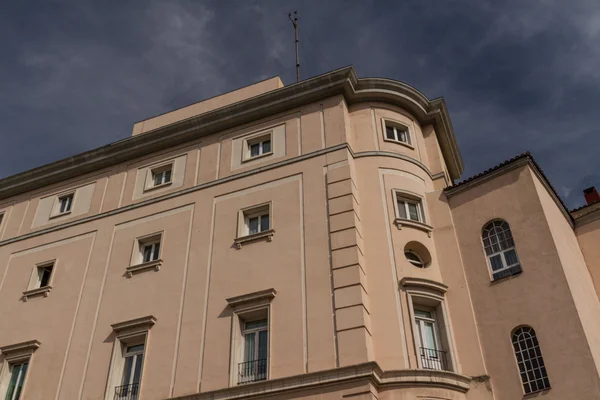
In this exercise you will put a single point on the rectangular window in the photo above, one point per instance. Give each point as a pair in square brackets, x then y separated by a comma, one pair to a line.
[256, 340]
[257, 146]
[397, 133]
[427, 335]
[150, 250]
[17, 373]
[44, 273]
[256, 220]
[133, 358]
[1, 218]
[65, 203]
[409, 208]
[162, 176]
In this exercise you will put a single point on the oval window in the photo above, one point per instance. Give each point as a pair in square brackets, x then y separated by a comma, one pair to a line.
[414, 259]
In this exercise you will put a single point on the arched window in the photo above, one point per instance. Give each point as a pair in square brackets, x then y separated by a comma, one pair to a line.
[530, 361]
[500, 249]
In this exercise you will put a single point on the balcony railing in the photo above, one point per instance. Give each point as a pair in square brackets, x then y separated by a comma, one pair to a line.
[127, 392]
[252, 371]
[433, 359]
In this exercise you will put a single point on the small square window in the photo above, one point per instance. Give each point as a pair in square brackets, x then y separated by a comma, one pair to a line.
[44, 273]
[65, 203]
[256, 220]
[257, 146]
[147, 249]
[397, 133]
[1, 218]
[162, 176]
[409, 208]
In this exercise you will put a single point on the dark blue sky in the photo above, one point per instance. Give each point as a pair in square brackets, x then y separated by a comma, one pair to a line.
[516, 75]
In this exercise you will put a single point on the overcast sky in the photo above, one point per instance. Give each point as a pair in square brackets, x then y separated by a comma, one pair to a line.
[516, 75]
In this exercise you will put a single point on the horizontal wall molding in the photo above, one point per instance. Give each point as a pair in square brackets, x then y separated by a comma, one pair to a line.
[367, 372]
[206, 185]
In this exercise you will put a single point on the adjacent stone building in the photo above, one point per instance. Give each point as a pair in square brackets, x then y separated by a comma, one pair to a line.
[296, 242]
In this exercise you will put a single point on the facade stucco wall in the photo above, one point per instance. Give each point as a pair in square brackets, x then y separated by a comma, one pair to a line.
[539, 297]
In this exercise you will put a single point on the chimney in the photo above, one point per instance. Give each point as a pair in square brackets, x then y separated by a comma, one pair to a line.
[591, 195]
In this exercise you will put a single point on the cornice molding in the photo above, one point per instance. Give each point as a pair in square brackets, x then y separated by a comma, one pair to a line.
[510, 166]
[142, 323]
[216, 182]
[369, 372]
[19, 351]
[343, 81]
[245, 299]
[422, 283]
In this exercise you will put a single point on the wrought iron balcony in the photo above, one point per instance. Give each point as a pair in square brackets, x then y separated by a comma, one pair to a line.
[252, 371]
[433, 359]
[127, 392]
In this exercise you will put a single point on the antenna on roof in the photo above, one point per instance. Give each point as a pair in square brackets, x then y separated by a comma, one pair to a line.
[295, 23]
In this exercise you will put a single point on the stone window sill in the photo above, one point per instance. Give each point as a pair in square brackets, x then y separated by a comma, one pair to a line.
[268, 234]
[400, 222]
[248, 159]
[62, 214]
[154, 264]
[410, 146]
[43, 291]
[156, 187]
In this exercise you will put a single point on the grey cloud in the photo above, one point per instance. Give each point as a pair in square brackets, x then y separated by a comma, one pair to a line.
[516, 75]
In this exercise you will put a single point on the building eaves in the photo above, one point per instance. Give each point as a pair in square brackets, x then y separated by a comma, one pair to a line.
[503, 167]
[343, 81]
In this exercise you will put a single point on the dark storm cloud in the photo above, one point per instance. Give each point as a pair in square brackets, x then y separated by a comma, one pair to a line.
[517, 75]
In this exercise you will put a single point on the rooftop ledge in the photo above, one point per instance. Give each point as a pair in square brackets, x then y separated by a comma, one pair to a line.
[370, 372]
[343, 81]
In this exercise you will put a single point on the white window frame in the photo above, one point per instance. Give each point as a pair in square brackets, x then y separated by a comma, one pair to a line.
[127, 334]
[140, 245]
[501, 252]
[420, 322]
[14, 355]
[397, 127]
[40, 268]
[421, 264]
[244, 217]
[258, 138]
[57, 207]
[162, 170]
[428, 295]
[249, 307]
[407, 199]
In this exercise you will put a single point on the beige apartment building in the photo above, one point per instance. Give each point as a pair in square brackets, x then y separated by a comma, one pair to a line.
[296, 242]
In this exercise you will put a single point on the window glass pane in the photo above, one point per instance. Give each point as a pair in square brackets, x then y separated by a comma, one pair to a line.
[496, 262]
[256, 324]
[401, 209]
[147, 253]
[127, 370]
[429, 336]
[138, 368]
[511, 257]
[136, 348]
[156, 251]
[254, 149]
[253, 225]
[157, 178]
[167, 176]
[402, 135]
[45, 276]
[266, 146]
[264, 223]
[423, 314]
[13, 381]
[262, 344]
[249, 343]
[389, 133]
[19, 387]
[413, 211]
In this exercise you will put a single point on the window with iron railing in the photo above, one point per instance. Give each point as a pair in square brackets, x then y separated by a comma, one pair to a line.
[132, 372]
[255, 364]
[431, 354]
